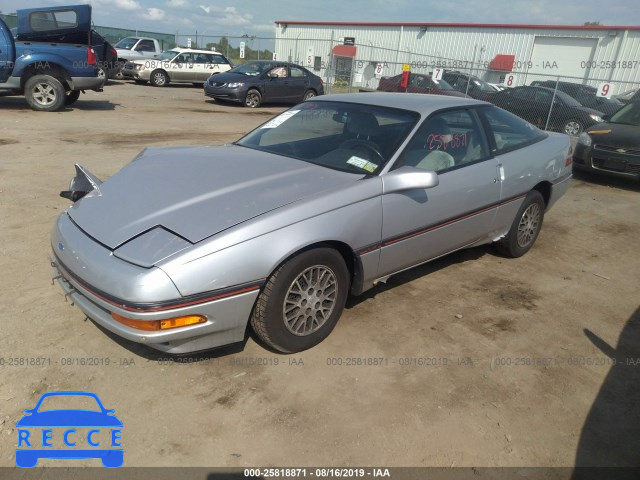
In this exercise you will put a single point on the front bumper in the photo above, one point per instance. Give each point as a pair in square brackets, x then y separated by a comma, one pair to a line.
[101, 284]
[224, 93]
[603, 159]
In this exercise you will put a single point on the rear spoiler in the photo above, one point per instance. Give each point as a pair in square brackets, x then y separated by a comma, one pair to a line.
[83, 183]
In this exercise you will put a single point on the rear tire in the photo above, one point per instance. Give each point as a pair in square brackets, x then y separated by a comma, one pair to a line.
[525, 227]
[159, 78]
[44, 93]
[72, 97]
[302, 301]
[253, 99]
[309, 94]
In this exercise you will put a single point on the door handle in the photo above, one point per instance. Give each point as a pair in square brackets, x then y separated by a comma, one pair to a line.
[501, 172]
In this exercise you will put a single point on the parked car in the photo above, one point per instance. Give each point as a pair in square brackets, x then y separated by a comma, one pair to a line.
[48, 73]
[628, 96]
[469, 84]
[497, 86]
[533, 104]
[584, 94]
[179, 65]
[328, 198]
[418, 83]
[261, 81]
[612, 147]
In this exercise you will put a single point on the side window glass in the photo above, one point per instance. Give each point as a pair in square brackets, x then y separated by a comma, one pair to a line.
[184, 58]
[509, 131]
[279, 71]
[296, 72]
[445, 141]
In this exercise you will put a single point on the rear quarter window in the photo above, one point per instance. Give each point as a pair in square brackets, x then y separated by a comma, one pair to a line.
[508, 131]
[53, 20]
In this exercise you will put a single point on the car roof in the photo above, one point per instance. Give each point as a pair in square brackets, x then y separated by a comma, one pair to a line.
[192, 50]
[418, 102]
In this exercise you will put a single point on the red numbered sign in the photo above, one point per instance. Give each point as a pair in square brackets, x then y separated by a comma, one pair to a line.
[604, 90]
[379, 69]
[509, 81]
[437, 73]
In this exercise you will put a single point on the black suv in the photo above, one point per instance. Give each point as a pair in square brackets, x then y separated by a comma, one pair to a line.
[584, 94]
[477, 88]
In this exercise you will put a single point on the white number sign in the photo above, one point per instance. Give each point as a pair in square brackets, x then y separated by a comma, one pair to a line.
[509, 81]
[437, 73]
[604, 90]
[379, 69]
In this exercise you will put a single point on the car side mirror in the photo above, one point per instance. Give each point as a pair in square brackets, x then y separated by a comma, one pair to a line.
[409, 178]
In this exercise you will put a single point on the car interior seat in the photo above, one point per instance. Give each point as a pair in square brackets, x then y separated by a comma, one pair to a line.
[428, 153]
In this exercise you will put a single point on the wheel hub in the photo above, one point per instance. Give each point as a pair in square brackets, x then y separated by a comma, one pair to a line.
[310, 300]
[529, 224]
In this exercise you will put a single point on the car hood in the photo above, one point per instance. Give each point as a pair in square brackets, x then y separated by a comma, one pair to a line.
[197, 192]
[228, 77]
[615, 135]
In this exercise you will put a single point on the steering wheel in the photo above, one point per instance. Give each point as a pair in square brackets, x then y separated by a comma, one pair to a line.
[354, 143]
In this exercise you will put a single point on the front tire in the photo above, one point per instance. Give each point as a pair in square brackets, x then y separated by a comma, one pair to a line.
[44, 93]
[525, 227]
[159, 78]
[253, 98]
[302, 301]
[308, 94]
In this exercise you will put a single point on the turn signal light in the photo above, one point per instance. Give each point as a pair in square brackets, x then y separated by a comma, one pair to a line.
[155, 325]
[181, 321]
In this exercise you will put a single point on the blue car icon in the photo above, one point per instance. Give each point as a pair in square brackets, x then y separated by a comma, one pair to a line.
[102, 422]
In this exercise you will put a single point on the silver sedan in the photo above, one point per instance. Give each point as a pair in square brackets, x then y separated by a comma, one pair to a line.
[185, 247]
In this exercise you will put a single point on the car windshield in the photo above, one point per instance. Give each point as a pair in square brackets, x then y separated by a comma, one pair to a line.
[627, 115]
[252, 68]
[126, 43]
[349, 137]
[69, 402]
[168, 55]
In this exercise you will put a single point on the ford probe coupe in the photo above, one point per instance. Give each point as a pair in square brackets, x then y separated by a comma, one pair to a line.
[185, 247]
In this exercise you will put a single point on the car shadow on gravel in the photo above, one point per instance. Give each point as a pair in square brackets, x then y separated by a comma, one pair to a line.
[610, 434]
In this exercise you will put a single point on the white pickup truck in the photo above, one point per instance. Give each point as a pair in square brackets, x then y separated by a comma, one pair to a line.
[138, 48]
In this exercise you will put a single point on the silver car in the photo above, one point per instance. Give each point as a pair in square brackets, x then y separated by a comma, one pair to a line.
[186, 246]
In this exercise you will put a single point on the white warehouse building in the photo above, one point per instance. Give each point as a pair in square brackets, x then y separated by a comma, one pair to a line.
[360, 53]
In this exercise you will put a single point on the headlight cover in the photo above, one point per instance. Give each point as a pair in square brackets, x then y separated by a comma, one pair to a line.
[595, 117]
[584, 139]
[235, 84]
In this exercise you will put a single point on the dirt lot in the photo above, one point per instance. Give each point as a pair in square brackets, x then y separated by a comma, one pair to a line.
[483, 360]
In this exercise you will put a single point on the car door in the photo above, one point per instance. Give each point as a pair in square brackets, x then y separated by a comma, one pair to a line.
[275, 87]
[544, 104]
[419, 225]
[199, 71]
[298, 83]
[182, 68]
[508, 137]
[7, 53]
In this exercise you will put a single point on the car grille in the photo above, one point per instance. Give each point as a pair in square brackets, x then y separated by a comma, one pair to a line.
[606, 148]
[215, 84]
[608, 158]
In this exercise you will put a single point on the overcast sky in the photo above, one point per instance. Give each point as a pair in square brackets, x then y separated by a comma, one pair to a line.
[256, 17]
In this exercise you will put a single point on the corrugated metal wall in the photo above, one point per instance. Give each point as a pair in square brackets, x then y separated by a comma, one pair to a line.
[461, 48]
